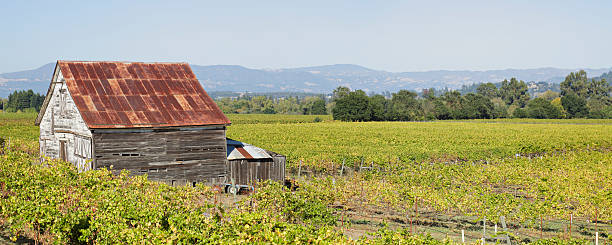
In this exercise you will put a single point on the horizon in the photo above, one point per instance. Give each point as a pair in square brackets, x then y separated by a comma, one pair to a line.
[392, 36]
[288, 68]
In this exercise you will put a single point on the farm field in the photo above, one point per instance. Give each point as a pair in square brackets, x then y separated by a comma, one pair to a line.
[318, 144]
[435, 178]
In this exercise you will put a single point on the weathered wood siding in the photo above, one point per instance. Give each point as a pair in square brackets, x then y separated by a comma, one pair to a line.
[62, 121]
[250, 171]
[176, 156]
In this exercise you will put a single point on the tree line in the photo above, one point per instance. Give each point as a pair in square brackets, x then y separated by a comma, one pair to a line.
[580, 97]
[309, 105]
[24, 101]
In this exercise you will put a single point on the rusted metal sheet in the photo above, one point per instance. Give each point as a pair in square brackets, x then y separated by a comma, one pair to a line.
[240, 150]
[134, 94]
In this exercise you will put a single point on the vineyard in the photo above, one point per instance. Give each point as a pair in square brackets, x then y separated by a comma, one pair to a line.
[546, 181]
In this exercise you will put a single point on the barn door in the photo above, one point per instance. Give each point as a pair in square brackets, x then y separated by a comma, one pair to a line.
[62, 152]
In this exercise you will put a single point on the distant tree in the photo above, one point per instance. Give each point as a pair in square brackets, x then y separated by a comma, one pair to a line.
[379, 106]
[22, 100]
[520, 113]
[441, 111]
[575, 105]
[549, 95]
[405, 106]
[476, 106]
[453, 101]
[488, 90]
[318, 107]
[500, 109]
[514, 92]
[353, 107]
[340, 92]
[576, 83]
[599, 89]
[541, 108]
[557, 103]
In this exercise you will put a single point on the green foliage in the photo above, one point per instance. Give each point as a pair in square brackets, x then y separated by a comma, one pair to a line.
[24, 100]
[353, 107]
[476, 106]
[304, 206]
[276, 118]
[380, 107]
[310, 105]
[514, 92]
[559, 241]
[541, 108]
[575, 83]
[421, 141]
[575, 105]
[488, 90]
[53, 203]
[402, 236]
[405, 107]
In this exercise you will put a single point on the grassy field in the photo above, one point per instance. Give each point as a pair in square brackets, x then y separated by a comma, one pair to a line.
[436, 177]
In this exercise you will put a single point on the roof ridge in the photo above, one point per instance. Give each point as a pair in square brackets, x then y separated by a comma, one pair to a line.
[117, 61]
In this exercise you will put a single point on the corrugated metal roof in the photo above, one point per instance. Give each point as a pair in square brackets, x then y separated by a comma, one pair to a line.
[240, 150]
[135, 94]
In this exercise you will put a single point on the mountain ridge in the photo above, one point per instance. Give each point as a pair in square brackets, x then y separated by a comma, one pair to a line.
[317, 79]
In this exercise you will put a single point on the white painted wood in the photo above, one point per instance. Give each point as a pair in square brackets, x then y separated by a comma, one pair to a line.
[62, 121]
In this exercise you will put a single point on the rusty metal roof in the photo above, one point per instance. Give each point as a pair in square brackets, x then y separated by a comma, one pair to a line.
[136, 94]
[240, 150]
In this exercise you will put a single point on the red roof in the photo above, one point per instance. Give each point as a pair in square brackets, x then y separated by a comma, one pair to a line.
[135, 94]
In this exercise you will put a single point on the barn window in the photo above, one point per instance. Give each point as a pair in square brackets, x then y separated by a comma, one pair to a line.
[82, 146]
[194, 184]
[173, 182]
[63, 102]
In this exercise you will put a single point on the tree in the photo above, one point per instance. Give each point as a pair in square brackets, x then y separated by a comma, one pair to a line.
[476, 106]
[318, 107]
[514, 92]
[453, 103]
[557, 103]
[575, 106]
[353, 107]
[549, 95]
[488, 90]
[405, 106]
[541, 108]
[22, 100]
[379, 106]
[441, 111]
[576, 83]
[340, 92]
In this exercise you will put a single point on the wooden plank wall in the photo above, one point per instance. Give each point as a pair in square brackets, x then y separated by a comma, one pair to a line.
[180, 157]
[248, 172]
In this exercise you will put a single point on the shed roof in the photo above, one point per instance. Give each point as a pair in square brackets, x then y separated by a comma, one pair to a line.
[240, 150]
[136, 94]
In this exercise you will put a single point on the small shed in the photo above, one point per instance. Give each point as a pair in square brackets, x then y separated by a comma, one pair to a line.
[249, 164]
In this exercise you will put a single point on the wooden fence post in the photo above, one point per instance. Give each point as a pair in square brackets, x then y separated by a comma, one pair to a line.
[300, 169]
[570, 227]
[484, 229]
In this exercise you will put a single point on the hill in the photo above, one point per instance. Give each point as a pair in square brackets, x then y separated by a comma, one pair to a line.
[315, 79]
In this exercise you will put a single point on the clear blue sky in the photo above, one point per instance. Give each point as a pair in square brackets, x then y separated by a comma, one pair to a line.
[385, 35]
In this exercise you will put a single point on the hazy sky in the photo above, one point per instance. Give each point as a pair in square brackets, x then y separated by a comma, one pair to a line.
[385, 35]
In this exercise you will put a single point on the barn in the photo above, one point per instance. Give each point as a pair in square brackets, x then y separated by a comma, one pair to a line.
[149, 118]
[249, 164]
